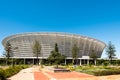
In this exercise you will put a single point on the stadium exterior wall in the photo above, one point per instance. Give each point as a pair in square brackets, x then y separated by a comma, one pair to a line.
[65, 41]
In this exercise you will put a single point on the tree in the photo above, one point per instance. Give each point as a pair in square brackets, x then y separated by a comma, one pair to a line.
[8, 53]
[75, 50]
[110, 51]
[5, 58]
[94, 56]
[37, 50]
[56, 57]
[56, 48]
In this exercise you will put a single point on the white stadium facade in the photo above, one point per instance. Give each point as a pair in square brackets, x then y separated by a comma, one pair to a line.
[47, 40]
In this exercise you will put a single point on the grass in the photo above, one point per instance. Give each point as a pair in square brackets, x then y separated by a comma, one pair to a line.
[95, 70]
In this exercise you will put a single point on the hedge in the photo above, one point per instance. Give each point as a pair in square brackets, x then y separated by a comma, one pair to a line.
[106, 72]
[10, 71]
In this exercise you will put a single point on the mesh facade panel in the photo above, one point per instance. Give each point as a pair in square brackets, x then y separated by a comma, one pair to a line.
[24, 43]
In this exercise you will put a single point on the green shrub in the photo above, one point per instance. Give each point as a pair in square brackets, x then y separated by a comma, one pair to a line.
[105, 63]
[2, 74]
[106, 72]
[10, 71]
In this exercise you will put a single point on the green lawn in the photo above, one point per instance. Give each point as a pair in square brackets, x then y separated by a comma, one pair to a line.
[95, 70]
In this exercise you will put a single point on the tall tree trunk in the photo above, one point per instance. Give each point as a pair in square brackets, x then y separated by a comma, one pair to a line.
[37, 60]
[111, 61]
[57, 66]
[6, 62]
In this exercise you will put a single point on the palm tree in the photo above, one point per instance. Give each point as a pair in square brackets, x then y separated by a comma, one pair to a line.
[37, 50]
[110, 51]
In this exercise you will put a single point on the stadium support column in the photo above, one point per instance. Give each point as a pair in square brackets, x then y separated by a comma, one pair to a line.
[65, 61]
[33, 61]
[95, 62]
[24, 60]
[80, 62]
[87, 61]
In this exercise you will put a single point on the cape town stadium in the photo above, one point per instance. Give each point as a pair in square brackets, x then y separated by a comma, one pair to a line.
[47, 40]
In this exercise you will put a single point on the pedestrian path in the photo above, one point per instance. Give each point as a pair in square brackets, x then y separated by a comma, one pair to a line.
[45, 74]
[25, 74]
[40, 76]
[67, 75]
[34, 73]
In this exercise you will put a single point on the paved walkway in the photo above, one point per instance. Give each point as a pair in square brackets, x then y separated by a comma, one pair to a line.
[35, 74]
[69, 75]
[40, 76]
[25, 74]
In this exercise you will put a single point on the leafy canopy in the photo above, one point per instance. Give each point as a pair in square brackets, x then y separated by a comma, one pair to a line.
[56, 57]
[110, 50]
[93, 54]
[74, 51]
[36, 48]
[8, 49]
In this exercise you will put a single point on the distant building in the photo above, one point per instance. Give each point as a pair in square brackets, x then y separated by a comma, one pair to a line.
[22, 44]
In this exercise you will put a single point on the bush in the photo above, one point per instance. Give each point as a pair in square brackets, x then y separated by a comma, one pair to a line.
[2, 74]
[106, 63]
[106, 72]
[10, 71]
[98, 70]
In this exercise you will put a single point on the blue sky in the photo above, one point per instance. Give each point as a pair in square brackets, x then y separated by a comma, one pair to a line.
[99, 19]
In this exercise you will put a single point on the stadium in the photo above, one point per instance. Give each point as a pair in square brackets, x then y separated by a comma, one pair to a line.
[22, 45]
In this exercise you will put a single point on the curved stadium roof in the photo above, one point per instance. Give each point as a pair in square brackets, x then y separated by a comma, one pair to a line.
[48, 39]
